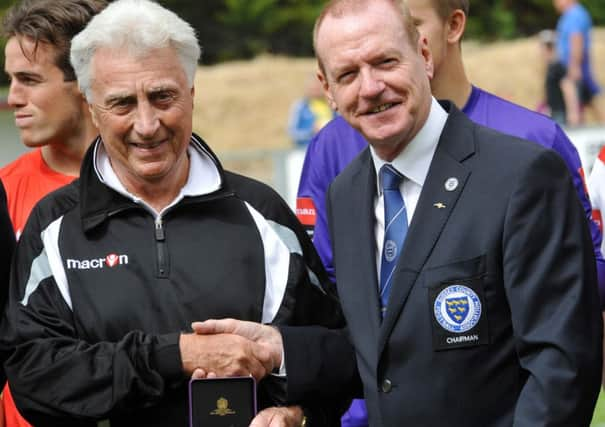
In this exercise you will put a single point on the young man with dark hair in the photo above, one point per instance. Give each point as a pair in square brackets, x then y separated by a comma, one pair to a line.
[50, 112]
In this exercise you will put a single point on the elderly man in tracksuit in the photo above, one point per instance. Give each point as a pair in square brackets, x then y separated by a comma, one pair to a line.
[110, 270]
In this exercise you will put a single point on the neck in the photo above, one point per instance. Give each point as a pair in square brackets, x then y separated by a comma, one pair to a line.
[450, 80]
[159, 192]
[65, 156]
[388, 150]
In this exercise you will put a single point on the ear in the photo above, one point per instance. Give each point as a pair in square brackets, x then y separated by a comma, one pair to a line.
[423, 48]
[327, 92]
[456, 24]
[192, 96]
[93, 115]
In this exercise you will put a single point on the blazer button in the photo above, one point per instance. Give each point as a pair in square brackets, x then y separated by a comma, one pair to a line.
[386, 386]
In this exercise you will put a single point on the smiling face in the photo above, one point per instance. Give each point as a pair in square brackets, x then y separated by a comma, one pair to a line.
[377, 78]
[143, 108]
[48, 109]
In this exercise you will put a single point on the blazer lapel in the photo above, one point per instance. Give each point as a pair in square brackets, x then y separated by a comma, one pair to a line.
[363, 206]
[442, 188]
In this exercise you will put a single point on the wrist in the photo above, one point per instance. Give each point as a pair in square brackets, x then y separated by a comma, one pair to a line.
[187, 354]
[276, 347]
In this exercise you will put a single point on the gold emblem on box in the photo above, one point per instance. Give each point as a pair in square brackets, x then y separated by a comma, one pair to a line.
[222, 408]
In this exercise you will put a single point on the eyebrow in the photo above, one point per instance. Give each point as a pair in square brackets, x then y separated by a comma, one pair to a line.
[112, 99]
[161, 88]
[23, 74]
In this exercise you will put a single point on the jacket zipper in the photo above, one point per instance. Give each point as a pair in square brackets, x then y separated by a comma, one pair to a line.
[160, 234]
[160, 244]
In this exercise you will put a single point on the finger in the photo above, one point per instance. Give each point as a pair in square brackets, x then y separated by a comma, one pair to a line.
[262, 419]
[198, 374]
[215, 326]
[206, 327]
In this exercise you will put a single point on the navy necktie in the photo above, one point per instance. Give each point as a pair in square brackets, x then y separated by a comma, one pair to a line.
[395, 229]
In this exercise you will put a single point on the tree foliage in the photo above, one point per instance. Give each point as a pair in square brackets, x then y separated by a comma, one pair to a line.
[234, 29]
[231, 29]
[497, 19]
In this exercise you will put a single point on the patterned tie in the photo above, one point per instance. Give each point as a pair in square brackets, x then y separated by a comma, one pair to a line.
[395, 229]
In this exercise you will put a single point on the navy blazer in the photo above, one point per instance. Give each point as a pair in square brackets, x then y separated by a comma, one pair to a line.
[493, 317]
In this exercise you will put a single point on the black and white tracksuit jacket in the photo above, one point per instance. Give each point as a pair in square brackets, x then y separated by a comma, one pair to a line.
[102, 286]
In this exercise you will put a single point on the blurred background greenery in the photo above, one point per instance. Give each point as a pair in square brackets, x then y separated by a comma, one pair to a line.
[242, 29]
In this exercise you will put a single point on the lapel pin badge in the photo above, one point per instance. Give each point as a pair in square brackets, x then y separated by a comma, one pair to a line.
[451, 184]
[439, 205]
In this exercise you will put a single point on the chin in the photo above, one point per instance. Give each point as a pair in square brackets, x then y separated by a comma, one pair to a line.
[382, 136]
[152, 174]
[30, 143]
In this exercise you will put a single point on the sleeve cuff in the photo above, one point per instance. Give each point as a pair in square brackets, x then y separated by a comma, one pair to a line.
[166, 357]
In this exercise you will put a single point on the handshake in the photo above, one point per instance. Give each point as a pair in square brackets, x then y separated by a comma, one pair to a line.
[230, 347]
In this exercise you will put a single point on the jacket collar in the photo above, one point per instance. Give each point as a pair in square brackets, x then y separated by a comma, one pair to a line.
[101, 196]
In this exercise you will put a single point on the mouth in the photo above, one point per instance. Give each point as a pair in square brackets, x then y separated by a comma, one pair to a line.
[147, 145]
[381, 108]
[22, 120]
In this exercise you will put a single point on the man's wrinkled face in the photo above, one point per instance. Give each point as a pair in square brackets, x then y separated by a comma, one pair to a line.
[143, 108]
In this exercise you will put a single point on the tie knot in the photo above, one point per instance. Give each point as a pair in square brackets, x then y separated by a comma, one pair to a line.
[391, 179]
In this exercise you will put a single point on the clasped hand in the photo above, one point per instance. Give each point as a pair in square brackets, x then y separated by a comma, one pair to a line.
[230, 347]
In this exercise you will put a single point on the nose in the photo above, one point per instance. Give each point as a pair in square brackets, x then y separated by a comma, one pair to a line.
[371, 85]
[16, 95]
[146, 121]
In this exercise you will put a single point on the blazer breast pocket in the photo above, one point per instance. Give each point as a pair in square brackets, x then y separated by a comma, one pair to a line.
[457, 305]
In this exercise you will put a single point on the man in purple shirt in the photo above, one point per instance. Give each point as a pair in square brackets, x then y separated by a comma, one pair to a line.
[332, 149]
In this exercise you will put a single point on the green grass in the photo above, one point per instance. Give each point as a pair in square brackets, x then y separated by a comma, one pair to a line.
[598, 419]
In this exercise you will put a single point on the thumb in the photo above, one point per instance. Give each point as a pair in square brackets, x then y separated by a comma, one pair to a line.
[262, 419]
[214, 326]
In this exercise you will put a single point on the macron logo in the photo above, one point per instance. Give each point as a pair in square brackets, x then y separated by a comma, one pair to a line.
[110, 261]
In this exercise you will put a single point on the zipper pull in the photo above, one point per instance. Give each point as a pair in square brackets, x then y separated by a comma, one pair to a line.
[159, 230]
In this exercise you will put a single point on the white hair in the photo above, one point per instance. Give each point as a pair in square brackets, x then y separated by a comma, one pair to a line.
[140, 26]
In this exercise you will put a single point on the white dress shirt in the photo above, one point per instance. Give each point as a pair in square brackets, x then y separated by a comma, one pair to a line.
[413, 163]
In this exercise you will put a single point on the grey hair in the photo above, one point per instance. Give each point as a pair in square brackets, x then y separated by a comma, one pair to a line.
[139, 26]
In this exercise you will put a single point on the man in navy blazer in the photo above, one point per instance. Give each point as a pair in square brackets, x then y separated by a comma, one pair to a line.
[493, 315]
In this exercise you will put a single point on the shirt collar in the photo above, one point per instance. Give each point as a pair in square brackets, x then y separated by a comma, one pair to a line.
[415, 159]
[204, 176]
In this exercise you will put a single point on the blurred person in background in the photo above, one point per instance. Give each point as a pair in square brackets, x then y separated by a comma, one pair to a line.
[574, 50]
[443, 22]
[554, 102]
[309, 114]
[51, 114]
